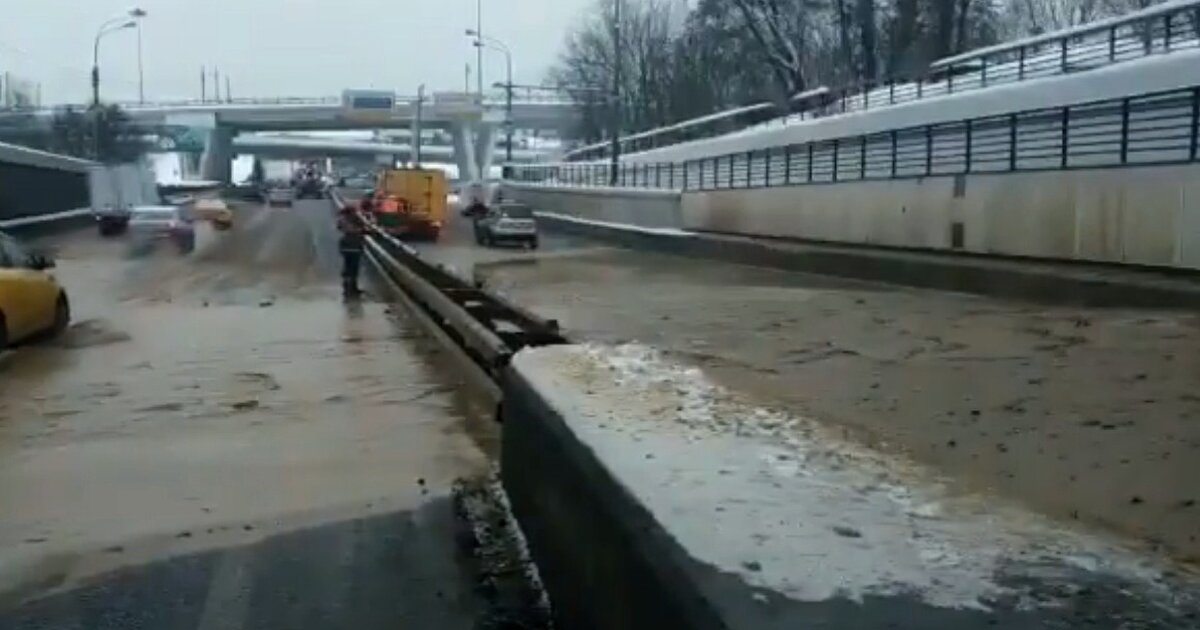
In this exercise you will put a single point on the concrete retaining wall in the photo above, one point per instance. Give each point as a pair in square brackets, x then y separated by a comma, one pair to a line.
[1143, 216]
[604, 560]
[645, 208]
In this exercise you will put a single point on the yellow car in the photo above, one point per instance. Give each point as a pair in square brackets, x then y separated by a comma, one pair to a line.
[31, 300]
[214, 211]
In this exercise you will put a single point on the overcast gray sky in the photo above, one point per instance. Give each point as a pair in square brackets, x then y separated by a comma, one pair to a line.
[276, 47]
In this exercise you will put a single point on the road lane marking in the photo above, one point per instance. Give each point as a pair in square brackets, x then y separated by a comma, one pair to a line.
[229, 591]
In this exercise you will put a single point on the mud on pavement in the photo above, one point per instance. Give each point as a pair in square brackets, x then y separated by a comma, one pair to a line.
[1088, 415]
[224, 413]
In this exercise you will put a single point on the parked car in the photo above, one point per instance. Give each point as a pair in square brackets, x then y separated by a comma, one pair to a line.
[149, 225]
[508, 222]
[31, 300]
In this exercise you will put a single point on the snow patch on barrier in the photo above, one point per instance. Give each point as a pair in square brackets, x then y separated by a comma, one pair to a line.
[794, 506]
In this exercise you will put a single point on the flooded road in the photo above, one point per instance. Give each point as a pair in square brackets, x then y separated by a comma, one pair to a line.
[1088, 415]
[219, 441]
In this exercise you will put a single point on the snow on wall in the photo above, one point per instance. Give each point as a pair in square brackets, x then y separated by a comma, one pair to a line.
[1152, 74]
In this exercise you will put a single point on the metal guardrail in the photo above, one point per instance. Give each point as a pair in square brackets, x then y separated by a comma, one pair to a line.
[44, 223]
[1160, 29]
[1151, 129]
[488, 329]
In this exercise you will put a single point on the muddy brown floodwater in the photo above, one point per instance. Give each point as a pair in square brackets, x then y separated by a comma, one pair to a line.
[1090, 415]
[214, 400]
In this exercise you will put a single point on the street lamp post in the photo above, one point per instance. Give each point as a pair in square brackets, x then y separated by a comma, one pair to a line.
[417, 123]
[479, 51]
[480, 42]
[138, 14]
[129, 20]
[615, 166]
[106, 28]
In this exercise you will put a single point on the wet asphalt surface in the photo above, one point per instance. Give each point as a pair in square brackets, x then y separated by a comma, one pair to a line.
[220, 442]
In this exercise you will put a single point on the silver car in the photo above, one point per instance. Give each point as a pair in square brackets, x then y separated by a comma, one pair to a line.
[151, 224]
[507, 223]
[280, 196]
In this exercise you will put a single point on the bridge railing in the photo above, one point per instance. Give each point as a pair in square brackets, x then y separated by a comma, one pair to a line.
[1168, 27]
[1151, 129]
[490, 100]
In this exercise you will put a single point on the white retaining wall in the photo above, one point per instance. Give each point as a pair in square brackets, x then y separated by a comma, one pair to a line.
[1145, 216]
[644, 208]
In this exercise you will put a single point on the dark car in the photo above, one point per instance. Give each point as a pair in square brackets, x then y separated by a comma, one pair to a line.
[310, 188]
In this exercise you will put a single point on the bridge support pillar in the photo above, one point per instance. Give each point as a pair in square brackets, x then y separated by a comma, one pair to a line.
[189, 166]
[485, 149]
[217, 162]
[464, 152]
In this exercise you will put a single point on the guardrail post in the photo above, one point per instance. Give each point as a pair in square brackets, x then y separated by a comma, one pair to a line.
[836, 146]
[1066, 128]
[928, 150]
[1112, 44]
[658, 174]
[895, 141]
[1063, 55]
[787, 165]
[1124, 130]
[749, 167]
[767, 168]
[731, 170]
[862, 157]
[891, 91]
[810, 163]
[702, 161]
[950, 79]
[684, 175]
[983, 72]
[967, 145]
[1021, 64]
[844, 91]
[919, 83]
[1012, 142]
[1195, 123]
[866, 92]
[1167, 32]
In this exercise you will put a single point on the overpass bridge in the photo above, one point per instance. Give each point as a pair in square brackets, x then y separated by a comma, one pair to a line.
[266, 146]
[473, 123]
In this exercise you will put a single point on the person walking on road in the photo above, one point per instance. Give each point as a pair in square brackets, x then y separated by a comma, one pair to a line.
[351, 246]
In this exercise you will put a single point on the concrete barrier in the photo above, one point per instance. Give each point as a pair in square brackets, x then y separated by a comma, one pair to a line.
[1138, 216]
[644, 507]
[1048, 283]
[645, 208]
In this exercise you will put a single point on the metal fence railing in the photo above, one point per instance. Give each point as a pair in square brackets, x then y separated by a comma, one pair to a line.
[493, 99]
[1159, 128]
[1160, 29]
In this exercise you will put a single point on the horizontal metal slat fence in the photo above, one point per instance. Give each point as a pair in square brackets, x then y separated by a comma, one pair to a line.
[1158, 128]
[1164, 29]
